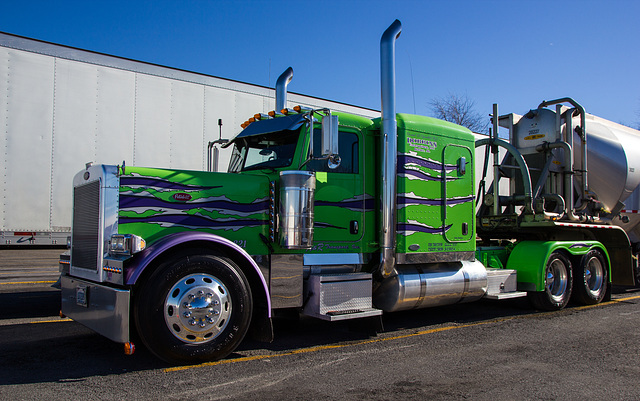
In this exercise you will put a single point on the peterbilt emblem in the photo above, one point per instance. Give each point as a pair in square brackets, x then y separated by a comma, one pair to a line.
[86, 175]
[182, 197]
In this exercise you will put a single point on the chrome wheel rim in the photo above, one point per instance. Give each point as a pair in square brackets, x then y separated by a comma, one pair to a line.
[557, 280]
[594, 276]
[197, 308]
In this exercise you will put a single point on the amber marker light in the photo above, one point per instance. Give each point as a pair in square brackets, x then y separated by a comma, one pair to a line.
[129, 348]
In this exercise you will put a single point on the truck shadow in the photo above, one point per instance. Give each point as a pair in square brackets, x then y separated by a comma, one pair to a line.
[30, 304]
[307, 332]
[64, 352]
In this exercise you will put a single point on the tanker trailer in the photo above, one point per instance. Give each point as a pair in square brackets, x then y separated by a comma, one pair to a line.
[569, 174]
[594, 170]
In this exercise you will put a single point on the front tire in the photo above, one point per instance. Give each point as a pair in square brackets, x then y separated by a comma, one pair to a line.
[591, 278]
[196, 307]
[557, 286]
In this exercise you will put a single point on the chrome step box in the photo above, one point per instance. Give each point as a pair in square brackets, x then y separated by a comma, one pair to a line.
[502, 284]
[339, 296]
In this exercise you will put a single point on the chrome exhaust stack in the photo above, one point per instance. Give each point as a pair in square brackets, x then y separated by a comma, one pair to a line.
[389, 148]
[420, 285]
[281, 88]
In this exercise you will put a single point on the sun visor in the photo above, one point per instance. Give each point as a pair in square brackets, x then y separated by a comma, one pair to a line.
[286, 123]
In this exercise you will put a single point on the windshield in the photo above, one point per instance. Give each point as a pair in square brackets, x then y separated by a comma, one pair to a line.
[266, 151]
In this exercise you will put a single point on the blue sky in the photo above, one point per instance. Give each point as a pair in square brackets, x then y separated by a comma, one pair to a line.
[514, 53]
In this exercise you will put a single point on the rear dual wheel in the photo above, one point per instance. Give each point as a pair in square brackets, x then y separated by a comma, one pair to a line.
[195, 307]
[591, 278]
[558, 284]
[587, 282]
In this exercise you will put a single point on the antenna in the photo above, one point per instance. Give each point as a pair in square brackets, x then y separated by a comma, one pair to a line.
[413, 90]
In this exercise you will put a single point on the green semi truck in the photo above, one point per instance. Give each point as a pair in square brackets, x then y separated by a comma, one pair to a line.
[338, 216]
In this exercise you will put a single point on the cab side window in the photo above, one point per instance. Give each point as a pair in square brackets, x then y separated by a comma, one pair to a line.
[348, 148]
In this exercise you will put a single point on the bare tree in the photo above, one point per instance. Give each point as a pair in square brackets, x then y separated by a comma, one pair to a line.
[459, 110]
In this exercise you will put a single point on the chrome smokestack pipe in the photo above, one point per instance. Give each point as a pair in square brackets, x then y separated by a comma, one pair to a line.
[281, 88]
[389, 148]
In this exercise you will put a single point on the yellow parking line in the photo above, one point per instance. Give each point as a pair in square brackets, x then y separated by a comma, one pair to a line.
[613, 301]
[377, 340]
[29, 272]
[325, 347]
[53, 321]
[29, 282]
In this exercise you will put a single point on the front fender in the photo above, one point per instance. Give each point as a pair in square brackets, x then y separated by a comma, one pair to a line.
[143, 259]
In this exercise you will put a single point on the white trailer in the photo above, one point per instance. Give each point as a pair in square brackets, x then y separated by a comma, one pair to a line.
[62, 107]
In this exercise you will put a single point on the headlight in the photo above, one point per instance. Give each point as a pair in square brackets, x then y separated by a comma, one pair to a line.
[126, 244]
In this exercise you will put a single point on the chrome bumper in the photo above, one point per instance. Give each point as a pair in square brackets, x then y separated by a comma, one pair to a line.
[103, 309]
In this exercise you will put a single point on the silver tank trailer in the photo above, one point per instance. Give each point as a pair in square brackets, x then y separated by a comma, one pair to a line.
[613, 159]
[631, 214]
[613, 154]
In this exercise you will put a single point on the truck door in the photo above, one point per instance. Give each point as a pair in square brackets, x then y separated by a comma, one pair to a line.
[458, 194]
[340, 198]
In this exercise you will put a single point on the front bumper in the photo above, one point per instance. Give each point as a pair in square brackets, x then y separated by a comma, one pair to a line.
[103, 309]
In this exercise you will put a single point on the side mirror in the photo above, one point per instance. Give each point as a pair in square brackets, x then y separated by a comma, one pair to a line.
[329, 139]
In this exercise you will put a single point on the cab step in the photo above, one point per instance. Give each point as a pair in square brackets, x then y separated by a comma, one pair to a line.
[502, 284]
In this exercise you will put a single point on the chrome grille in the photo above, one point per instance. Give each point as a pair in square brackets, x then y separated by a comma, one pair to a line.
[86, 226]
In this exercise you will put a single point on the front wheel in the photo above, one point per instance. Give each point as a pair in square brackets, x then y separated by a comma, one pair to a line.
[195, 307]
[557, 285]
[591, 278]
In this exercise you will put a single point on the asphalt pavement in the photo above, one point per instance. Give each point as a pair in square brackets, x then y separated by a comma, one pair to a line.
[489, 350]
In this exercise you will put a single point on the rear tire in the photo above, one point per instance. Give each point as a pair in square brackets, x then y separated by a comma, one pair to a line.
[558, 284]
[196, 307]
[591, 278]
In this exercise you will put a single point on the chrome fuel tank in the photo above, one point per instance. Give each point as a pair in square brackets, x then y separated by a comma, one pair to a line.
[422, 286]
